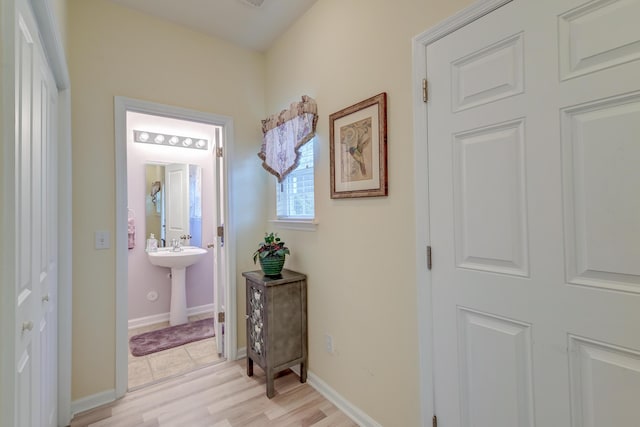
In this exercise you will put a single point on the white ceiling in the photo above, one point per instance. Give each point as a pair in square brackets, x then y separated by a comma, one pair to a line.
[233, 20]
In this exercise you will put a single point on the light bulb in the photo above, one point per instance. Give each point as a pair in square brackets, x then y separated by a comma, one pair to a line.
[143, 136]
[187, 142]
[159, 139]
[174, 140]
[201, 143]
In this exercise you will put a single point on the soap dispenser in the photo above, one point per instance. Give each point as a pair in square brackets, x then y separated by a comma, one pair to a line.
[152, 243]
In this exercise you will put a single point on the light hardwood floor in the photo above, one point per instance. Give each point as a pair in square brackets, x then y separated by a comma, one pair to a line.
[219, 396]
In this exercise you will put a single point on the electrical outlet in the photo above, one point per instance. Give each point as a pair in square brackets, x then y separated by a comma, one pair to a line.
[328, 343]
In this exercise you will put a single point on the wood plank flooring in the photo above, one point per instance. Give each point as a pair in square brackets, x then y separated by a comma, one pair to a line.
[219, 396]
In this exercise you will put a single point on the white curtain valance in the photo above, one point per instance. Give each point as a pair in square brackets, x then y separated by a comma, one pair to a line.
[285, 133]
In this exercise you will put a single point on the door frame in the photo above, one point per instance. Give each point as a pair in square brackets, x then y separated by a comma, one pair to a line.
[122, 105]
[52, 45]
[420, 42]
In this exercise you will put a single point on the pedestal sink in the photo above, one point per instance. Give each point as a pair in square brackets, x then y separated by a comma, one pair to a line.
[177, 261]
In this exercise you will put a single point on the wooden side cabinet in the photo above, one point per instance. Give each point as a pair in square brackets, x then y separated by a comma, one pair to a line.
[276, 323]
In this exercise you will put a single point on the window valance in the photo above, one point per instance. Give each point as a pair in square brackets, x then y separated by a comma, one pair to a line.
[285, 133]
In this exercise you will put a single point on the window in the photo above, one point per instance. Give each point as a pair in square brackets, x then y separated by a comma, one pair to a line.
[295, 195]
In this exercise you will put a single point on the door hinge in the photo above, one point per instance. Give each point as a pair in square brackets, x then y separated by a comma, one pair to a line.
[429, 263]
[221, 317]
[218, 151]
[425, 90]
[220, 233]
[435, 421]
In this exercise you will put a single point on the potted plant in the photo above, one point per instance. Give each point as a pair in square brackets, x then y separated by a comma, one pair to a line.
[271, 253]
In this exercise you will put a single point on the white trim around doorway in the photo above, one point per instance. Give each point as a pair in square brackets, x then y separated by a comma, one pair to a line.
[122, 105]
[421, 195]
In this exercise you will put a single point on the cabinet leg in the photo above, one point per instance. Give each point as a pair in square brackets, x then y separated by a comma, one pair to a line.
[271, 391]
[303, 372]
[249, 367]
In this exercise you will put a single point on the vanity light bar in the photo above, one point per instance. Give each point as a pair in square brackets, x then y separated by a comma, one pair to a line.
[170, 140]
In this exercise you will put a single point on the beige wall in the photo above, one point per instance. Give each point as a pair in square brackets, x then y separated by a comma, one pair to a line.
[60, 11]
[361, 261]
[114, 51]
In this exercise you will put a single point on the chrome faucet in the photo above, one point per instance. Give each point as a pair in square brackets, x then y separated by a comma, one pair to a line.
[175, 243]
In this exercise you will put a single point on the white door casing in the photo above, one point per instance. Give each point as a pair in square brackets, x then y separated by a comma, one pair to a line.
[533, 118]
[121, 106]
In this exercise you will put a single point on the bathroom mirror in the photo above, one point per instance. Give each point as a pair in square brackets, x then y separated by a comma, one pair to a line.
[173, 200]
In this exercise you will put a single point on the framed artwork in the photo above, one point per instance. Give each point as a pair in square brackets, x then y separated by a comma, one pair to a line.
[358, 149]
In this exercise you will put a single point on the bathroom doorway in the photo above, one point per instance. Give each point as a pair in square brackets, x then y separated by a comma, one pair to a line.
[154, 144]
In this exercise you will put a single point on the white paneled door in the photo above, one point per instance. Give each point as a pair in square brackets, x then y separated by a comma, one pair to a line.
[176, 178]
[35, 224]
[220, 250]
[534, 147]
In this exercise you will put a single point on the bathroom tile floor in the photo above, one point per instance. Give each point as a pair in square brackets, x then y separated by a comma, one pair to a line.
[165, 364]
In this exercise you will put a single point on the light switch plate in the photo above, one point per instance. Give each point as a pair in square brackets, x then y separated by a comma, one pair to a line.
[102, 240]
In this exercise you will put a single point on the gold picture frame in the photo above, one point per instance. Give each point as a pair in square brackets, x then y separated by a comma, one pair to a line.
[358, 149]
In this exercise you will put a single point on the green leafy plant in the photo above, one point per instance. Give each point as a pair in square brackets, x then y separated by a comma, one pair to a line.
[271, 246]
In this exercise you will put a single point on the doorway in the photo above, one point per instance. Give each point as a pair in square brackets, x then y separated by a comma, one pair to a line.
[209, 284]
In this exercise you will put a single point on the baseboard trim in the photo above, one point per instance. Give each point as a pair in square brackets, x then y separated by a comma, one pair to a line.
[241, 353]
[352, 411]
[164, 317]
[92, 402]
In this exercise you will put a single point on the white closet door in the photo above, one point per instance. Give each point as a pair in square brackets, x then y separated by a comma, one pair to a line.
[27, 289]
[35, 224]
[45, 240]
[534, 118]
[220, 250]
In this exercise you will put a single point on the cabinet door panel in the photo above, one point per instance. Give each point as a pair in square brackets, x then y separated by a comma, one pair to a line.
[285, 324]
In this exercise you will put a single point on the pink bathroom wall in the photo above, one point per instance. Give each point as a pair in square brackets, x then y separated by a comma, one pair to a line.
[142, 275]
